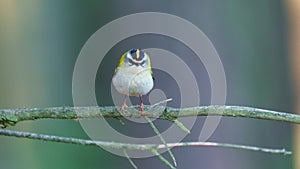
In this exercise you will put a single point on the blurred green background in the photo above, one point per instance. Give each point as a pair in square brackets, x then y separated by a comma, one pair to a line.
[39, 44]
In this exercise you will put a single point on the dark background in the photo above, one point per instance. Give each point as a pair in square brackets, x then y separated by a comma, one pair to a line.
[39, 44]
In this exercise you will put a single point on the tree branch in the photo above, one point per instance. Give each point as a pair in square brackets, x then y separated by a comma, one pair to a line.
[13, 116]
[126, 146]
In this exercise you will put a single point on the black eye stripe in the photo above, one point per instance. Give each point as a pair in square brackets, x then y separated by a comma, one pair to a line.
[131, 62]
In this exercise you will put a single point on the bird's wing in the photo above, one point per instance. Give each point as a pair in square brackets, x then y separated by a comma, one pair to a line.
[152, 76]
[116, 70]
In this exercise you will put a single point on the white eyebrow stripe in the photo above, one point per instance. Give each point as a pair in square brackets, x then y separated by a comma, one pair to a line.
[138, 61]
[129, 56]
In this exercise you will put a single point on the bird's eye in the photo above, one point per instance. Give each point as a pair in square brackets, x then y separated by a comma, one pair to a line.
[143, 63]
[130, 62]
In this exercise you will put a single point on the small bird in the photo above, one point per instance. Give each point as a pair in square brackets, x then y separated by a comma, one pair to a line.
[133, 76]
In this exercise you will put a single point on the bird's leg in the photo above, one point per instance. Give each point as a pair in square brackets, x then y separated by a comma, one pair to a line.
[123, 105]
[141, 106]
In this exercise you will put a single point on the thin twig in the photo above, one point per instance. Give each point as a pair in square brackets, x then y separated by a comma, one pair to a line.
[155, 129]
[127, 146]
[161, 102]
[162, 158]
[182, 126]
[12, 116]
[129, 159]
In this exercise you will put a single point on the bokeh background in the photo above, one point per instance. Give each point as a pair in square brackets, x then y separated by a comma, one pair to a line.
[40, 41]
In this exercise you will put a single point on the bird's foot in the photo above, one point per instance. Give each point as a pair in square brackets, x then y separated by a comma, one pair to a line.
[123, 106]
[141, 112]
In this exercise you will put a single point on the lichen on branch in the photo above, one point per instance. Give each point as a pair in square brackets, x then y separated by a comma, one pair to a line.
[12, 116]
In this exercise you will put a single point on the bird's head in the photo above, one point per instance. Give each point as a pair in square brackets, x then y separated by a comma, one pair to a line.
[136, 58]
